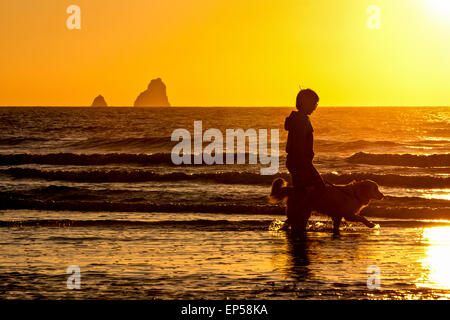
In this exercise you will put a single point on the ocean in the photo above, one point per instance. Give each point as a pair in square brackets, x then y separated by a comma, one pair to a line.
[96, 188]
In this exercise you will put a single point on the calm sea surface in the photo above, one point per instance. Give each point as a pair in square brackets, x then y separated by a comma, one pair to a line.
[96, 188]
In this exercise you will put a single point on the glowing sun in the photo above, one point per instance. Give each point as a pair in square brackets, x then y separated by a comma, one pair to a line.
[440, 7]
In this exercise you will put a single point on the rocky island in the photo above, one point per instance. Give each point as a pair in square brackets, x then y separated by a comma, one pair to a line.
[154, 96]
[99, 101]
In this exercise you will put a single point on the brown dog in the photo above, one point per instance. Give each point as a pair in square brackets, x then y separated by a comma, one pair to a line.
[336, 201]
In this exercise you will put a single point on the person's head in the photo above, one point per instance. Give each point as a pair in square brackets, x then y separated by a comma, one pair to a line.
[307, 101]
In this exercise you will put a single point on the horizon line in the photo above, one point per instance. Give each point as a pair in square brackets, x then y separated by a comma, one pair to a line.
[342, 106]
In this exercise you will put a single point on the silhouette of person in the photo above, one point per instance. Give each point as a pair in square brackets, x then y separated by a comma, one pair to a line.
[307, 182]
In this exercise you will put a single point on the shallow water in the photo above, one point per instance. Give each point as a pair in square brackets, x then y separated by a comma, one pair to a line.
[95, 188]
[195, 256]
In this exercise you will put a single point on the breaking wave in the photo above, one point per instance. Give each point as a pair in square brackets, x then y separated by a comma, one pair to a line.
[120, 143]
[392, 207]
[93, 159]
[84, 159]
[407, 160]
[141, 175]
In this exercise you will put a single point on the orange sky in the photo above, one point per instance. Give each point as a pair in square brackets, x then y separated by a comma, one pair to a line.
[226, 52]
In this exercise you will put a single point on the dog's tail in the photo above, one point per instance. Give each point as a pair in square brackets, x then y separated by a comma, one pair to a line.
[279, 190]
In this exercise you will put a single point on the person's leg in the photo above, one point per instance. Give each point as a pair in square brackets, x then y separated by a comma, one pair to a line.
[295, 200]
[311, 182]
[302, 222]
[297, 209]
[295, 203]
[298, 214]
[336, 224]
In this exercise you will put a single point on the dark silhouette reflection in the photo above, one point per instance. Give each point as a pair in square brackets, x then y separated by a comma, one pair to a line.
[336, 236]
[297, 253]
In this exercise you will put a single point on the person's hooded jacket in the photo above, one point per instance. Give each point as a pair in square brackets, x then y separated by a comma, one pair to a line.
[299, 146]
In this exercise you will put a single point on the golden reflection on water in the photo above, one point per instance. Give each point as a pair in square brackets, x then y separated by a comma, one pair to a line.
[438, 194]
[436, 262]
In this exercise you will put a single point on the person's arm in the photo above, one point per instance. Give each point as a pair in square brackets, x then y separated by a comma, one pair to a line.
[309, 153]
[308, 142]
[299, 141]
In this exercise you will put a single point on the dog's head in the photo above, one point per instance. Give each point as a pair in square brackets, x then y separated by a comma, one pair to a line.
[367, 190]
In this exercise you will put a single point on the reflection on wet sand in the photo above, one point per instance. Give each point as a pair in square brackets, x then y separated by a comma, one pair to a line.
[436, 263]
[298, 260]
[175, 263]
[414, 262]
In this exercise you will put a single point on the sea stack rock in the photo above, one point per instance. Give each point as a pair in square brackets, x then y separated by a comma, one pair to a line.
[99, 102]
[154, 96]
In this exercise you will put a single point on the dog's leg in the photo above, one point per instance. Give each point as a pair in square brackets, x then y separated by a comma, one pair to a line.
[336, 225]
[358, 218]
